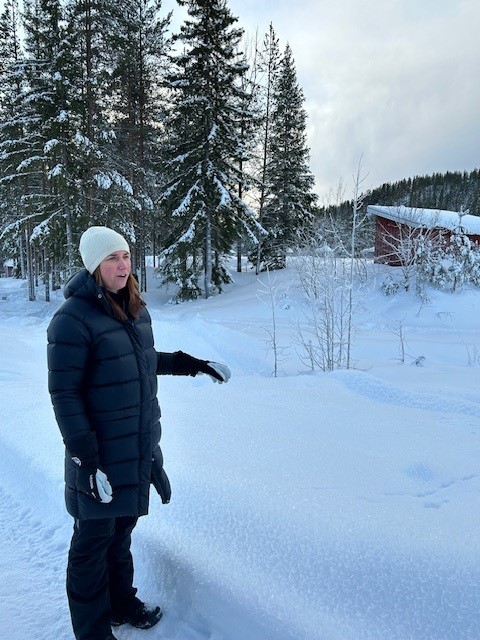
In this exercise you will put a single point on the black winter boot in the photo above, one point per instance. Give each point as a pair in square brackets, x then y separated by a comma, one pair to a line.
[141, 616]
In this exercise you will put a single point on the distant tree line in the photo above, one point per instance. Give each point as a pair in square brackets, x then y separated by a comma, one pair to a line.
[453, 191]
[185, 143]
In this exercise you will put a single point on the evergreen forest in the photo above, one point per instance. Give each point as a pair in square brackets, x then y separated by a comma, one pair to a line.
[191, 143]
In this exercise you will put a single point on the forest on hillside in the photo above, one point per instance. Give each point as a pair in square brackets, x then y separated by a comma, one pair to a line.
[452, 191]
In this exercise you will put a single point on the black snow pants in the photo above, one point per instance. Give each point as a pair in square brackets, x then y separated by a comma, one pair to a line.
[100, 575]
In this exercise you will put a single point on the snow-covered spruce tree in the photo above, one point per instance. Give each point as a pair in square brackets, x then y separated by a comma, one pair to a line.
[138, 47]
[45, 59]
[9, 31]
[25, 167]
[200, 199]
[12, 87]
[56, 155]
[250, 122]
[268, 70]
[86, 167]
[289, 181]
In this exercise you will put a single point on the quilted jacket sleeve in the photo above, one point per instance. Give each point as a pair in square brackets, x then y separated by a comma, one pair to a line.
[68, 356]
[165, 363]
[177, 364]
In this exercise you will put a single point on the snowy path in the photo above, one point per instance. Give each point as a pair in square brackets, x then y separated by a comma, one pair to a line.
[32, 555]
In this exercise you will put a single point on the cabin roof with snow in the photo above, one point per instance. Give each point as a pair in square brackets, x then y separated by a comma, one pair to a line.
[427, 218]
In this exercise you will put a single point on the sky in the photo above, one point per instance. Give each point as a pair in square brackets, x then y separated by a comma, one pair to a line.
[390, 84]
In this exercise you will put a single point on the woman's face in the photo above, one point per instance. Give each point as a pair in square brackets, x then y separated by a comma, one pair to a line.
[114, 270]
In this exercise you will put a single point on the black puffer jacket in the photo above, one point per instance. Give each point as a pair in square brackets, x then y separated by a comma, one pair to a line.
[103, 385]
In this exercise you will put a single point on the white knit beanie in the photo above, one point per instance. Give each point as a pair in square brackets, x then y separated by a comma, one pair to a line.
[97, 243]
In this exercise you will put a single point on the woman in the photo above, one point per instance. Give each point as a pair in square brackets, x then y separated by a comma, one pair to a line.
[102, 380]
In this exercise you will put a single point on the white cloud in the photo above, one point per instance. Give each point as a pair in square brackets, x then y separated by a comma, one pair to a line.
[394, 80]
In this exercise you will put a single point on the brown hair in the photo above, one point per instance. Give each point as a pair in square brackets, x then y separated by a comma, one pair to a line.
[135, 302]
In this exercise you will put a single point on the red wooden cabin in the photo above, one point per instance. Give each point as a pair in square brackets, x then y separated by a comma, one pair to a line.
[396, 226]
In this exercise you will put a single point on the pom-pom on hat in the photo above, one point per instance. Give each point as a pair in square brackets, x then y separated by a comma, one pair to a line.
[97, 243]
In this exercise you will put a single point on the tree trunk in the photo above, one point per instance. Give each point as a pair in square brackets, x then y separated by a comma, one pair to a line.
[46, 275]
[21, 253]
[143, 267]
[90, 104]
[239, 256]
[208, 257]
[69, 232]
[30, 270]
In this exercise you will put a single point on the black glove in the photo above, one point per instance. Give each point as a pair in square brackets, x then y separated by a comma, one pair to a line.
[93, 481]
[190, 366]
[159, 478]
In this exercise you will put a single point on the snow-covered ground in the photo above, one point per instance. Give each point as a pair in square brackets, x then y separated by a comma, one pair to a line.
[327, 506]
